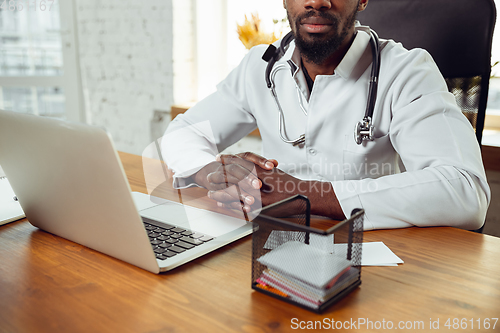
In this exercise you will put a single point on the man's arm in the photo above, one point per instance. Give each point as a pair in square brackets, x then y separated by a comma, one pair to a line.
[192, 140]
[443, 182]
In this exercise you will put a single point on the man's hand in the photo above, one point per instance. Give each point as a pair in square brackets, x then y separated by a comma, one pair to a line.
[234, 178]
[274, 185]
[250, 181]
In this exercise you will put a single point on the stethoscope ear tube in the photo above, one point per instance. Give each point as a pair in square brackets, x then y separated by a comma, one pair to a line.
[272, 55]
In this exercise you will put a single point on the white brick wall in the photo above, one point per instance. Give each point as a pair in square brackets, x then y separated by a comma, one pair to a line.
[184, 47]
[125, 49]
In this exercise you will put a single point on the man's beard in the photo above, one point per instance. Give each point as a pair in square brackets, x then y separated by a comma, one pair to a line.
[318, 50]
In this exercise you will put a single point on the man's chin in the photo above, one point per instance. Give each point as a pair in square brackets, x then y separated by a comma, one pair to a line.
[309, 38]
[313, 42]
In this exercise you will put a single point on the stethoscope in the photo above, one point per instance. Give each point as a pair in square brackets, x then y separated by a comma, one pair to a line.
[363, 130]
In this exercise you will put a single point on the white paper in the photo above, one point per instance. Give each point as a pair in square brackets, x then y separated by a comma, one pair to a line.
[378, 254]
[372, 254]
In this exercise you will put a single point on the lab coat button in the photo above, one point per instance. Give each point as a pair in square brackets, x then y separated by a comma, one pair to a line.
[312, 151]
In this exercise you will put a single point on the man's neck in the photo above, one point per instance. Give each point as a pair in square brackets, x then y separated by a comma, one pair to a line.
[329, 65]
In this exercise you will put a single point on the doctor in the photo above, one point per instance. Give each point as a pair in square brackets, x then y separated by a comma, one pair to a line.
[422, 167]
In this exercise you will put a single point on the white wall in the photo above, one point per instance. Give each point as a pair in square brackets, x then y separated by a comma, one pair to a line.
[184, 51]
[128, 50]
[125, 49]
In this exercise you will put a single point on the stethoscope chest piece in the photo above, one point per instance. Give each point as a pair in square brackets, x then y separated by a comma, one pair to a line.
[363, 131]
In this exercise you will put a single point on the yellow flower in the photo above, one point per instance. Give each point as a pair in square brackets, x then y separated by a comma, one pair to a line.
[251, 34]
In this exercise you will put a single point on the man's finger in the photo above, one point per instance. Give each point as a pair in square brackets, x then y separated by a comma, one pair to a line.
[235, 205]
[235, 159]
[243, 187]
[221, 196]
[220, 177]
[232, 174]
[231, 194]
[264, 163]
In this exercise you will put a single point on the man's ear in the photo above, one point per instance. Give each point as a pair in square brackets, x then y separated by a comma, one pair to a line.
[361, 6]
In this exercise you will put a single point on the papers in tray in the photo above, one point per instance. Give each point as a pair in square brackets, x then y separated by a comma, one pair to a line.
[305, 263]
[296, 288]
[306, 273]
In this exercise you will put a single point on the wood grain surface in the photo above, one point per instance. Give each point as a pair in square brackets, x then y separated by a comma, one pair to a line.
[49, 284]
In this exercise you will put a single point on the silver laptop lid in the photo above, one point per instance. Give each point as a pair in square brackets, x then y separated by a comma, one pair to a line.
[70, 182]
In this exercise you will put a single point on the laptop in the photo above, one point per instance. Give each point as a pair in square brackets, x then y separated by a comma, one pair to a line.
[70, 182]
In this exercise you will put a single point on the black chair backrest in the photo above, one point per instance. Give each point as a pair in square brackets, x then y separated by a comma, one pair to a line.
[457, 33]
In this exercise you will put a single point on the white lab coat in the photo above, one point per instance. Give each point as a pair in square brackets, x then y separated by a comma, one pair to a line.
[424, 167]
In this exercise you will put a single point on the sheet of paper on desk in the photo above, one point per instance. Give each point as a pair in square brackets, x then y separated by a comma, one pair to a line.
[378, 254]
[10, 210]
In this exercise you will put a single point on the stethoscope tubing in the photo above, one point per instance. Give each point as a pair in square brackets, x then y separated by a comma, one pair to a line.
[364, 129]
[282, 129]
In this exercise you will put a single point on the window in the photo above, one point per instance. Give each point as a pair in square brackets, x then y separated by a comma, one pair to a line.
[38, 68]
[206, 42]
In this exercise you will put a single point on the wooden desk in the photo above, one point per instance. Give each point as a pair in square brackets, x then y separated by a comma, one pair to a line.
[48, 284]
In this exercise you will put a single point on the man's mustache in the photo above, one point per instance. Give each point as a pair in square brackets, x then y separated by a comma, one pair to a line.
[331, 18]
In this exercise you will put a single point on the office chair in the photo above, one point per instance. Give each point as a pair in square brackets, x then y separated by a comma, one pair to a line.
[457, 33]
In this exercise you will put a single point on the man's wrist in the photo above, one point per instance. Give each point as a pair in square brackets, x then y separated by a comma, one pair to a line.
[323, 200]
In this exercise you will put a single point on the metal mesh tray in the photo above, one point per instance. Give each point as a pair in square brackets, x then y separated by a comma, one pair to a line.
[303, 265]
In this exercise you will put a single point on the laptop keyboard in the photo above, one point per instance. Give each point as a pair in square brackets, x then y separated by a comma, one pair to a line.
[168, 240]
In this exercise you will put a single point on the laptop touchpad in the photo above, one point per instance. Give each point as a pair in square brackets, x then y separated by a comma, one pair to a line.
[194, 219]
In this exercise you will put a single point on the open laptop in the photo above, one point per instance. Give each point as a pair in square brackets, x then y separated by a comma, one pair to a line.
[70, 182]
